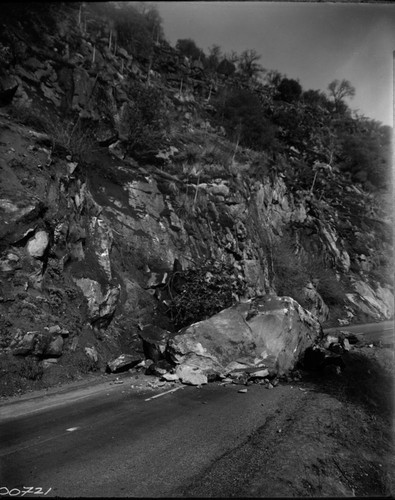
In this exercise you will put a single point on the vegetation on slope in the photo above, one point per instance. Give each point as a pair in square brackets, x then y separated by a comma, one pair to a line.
[332, 160]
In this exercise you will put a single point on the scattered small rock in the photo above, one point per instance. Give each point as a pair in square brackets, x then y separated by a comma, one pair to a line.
[346, 344]
[54, 329]
[191, 375]
[170, 377]
[91, 352]
[227, 380]
[242, 391]
[122, 363]
[47, 363]
[155, 369]
[260, 374]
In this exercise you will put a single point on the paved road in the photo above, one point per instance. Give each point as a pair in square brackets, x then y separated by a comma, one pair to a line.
[119, 444]
[112, 441]
[372, 332]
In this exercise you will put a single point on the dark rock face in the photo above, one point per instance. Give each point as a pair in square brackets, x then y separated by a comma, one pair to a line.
[7, 94]
[154, 341]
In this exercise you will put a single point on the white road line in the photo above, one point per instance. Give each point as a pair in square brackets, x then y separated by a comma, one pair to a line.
[14, 413]
[163, 393]
[15, 449]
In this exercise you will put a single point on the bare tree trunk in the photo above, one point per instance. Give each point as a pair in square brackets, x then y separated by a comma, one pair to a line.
[235, 151]
[196, 192]
[312, 186]
[209, 94]
[149, 71]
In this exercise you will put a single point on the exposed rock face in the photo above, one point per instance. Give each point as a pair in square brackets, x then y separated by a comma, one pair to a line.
[318, 307]
[378, 303]
[101, 306]
[275, 331]
[92, 244]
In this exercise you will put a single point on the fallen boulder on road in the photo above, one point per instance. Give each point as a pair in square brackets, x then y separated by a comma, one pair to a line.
[270, 332]
[122, 363]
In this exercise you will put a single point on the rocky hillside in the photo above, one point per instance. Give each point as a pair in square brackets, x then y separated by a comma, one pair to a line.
[127, 205]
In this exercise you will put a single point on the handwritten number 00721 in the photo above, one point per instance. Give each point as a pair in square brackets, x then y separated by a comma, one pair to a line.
[14, 492]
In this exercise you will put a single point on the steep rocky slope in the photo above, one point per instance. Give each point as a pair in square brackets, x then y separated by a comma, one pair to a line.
[93, 233]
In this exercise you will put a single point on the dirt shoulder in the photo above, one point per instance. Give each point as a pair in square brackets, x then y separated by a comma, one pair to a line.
[335, 440]
[89, 386]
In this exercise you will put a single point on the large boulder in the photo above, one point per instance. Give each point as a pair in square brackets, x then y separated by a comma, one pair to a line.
[269, 331]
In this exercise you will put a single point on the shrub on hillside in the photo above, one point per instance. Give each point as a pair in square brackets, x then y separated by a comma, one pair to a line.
[188, 48]
[144, 118]
[288, 90]
[243, 117]
[201, 292]
[133, 29]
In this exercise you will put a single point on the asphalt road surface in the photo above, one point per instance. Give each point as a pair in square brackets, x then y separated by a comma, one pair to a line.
[372, 332]
[113, 442]
[118, 444]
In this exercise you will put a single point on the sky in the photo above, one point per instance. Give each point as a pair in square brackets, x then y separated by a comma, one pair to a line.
[312, 42]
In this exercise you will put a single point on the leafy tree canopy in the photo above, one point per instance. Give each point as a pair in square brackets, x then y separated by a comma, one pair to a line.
[188, 48]
[289, 90]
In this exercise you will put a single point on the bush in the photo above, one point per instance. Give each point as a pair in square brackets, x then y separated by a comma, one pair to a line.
[188, 48]
[288, 90]
[145, 118]
[199, 293]
[83, 363]
[242, 115]
[76, 138]
[31, 369]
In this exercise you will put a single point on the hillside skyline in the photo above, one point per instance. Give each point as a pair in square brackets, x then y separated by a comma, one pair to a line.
[313, 43]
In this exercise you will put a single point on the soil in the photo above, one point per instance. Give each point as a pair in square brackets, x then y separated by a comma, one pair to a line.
[333, 438]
